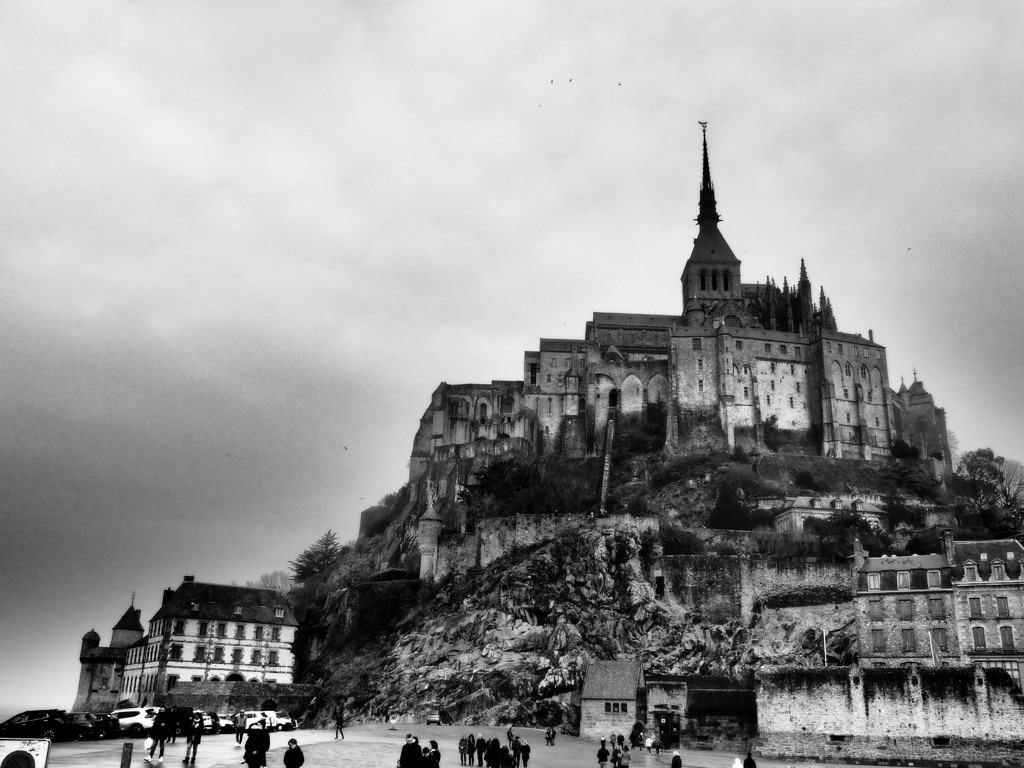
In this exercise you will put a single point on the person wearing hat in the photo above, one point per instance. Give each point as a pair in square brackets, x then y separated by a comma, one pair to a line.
[257, 745]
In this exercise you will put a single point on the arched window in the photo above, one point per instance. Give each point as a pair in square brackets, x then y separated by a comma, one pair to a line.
[725, 281]
[714, 280]
[849, 370]
[483, 411]
[703, 280]
[864, 373]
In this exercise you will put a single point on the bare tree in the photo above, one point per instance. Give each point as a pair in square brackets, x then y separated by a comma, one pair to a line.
[1010, 488]
[279, 581]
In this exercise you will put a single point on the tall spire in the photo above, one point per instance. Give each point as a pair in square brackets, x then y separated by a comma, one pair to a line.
[708, 209]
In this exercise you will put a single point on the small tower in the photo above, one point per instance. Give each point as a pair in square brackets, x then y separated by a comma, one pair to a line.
[128, 629]
[90, 640]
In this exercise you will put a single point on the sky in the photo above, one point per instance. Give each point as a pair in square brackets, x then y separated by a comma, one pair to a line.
[242, 242]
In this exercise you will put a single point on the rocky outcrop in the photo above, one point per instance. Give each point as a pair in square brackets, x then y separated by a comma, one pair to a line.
[512, 643]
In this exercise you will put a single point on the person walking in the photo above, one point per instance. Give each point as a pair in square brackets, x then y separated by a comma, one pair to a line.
[492, 757]
[239, 727]
[339, 719]
[524, 753]
[293, 757]
[649, 743]
[677, 761]
[750, 762]
[481, 747]
[193, 733]
[624, 756]
[463, 746]
[602, 754]
[159, 735]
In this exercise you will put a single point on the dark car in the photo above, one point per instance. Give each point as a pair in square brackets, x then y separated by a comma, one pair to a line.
[87, 725]
[52, 724]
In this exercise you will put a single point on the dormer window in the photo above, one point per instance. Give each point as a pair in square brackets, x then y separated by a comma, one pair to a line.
[195, 606]
[970, 573]
[279, 613]
[815, 503]
[237, 610]
[1009, 555]
[837, 504]
[998, 572]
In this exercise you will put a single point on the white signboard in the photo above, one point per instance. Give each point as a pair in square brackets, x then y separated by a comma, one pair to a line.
[24, 753]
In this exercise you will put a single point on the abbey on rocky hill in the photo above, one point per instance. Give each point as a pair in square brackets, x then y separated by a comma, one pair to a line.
[743, 364]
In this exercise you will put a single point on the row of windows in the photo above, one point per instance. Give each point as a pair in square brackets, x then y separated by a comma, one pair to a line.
[237, 655]
[698, 343]
[616, 706]
[903, 580]
[855, 350]
[940, 639]
[220, 629]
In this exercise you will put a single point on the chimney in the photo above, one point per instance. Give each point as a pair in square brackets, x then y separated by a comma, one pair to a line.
[168, 594]
[871, 335]
[858, 554]
[947, 546]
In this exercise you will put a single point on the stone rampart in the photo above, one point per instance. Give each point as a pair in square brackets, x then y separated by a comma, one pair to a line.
[906, 713]
[230, 697]
[737, 586]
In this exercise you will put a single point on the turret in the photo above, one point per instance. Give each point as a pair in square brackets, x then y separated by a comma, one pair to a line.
[90, 640]
[128, 629]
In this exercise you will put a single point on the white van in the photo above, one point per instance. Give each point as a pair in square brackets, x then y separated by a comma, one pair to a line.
[252, 716]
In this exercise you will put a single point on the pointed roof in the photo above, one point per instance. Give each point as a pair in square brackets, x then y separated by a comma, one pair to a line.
[709, 244]
[612, 680]
[130, 620]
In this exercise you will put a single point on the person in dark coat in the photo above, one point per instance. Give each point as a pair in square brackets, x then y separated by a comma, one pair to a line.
[339, 719]
[434, 754]
[677, 761]
[162, 725]
[257, 745]
[492, 757]
[602, 755]
[750, 762]
[524, 753]
[506, 760]
[193, 733]
[481, 747]
[293, 757]
[411, 756]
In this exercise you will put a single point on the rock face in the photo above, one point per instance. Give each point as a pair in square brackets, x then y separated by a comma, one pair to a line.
[511, 643]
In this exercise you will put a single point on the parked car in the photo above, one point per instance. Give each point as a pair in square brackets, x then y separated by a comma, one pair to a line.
[269, 719]
[284, 721]
[439, 717]
[211, 722]
[135, 721]
[52, 724]
[227, 723]
[88, 725]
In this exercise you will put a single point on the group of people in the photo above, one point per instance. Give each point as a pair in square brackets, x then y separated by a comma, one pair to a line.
[415, 756]
[167, 726]
[619, 755]
[257, 744]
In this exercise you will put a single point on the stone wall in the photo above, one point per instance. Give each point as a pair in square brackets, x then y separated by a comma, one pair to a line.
[840, 713]
[595, 723]
[230, 697]
[497, 536]
[736, 586]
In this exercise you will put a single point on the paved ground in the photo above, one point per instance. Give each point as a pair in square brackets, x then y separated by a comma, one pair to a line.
[377, 745]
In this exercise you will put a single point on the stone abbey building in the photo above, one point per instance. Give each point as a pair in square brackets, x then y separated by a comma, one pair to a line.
[744, 364]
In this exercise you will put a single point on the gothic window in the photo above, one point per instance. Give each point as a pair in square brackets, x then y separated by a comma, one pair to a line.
[864, 373]
[703, 280]
[714, 280]
[725, 281]
[849, 370]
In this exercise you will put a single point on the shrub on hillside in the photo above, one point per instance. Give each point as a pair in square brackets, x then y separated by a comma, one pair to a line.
[730, 512]
[682, 468]
[677, 540]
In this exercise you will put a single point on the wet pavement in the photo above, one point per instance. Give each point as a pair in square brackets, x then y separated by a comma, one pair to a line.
[377, 745]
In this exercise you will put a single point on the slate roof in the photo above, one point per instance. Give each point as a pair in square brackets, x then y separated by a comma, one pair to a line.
[996, 550]
[104, 653]
[904, 563]
[217, 603]
[130, 621]
[634, 319]
[612, 680]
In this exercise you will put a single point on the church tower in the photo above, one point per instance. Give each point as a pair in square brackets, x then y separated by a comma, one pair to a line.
[712, 273]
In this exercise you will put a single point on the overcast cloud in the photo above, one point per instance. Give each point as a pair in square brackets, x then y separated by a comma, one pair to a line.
[241, 243]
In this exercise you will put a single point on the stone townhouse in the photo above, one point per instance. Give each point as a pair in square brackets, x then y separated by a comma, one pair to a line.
[988, 589]
[211, 632]
[613, 698]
